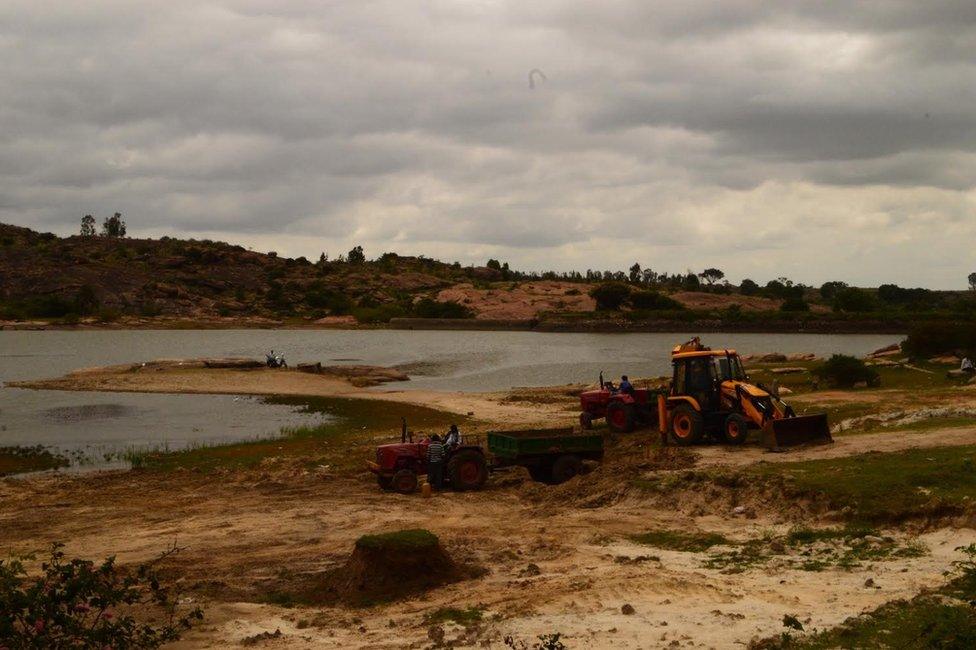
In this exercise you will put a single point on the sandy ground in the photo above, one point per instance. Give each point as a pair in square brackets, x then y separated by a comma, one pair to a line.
[247, 533]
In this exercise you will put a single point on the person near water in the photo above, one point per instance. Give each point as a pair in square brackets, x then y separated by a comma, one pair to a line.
[625, 386]
[967, 366]
[435, 462]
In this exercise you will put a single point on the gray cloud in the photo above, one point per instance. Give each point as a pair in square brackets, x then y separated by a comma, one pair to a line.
[818, 140]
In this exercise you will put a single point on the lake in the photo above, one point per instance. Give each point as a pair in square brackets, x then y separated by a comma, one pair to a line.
[100, 424]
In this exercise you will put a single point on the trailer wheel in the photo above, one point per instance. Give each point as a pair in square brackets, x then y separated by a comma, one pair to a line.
[687, 425]
[586, 420]
[736, 429]
[620, 417]
[540, 473]
[565, 468]
[405, 481]
[385, 482]
[467, 470]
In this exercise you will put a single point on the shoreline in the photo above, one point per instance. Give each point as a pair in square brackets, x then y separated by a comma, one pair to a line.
[553, 326]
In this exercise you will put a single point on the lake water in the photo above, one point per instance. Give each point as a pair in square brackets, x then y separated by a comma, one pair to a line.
[103, 423]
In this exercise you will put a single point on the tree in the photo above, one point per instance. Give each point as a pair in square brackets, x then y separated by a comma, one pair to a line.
[691, 283]
[649, 276]
[852, 299]
[748, 287]
[356, 255]
[88, 226]
[610, 295]
[972, 281]
[829, 289]
[635, 273]
[114, 226]
[711, 276]
[494, 264]
[323, 259]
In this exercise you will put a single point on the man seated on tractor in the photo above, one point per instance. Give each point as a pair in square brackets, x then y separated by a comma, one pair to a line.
[435, 462]
[625, 386]
[453, 438]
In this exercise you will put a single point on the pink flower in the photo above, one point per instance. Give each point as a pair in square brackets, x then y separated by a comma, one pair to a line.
[108, 615]
[38, 626]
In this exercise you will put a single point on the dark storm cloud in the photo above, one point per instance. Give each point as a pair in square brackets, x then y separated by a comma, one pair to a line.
[660, 128]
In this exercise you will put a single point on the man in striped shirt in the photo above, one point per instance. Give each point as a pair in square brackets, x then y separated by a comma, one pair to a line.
[435, 462]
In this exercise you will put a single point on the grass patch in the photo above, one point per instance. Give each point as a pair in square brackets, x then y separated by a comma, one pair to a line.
[460, 616]
[942, 619]
[888, 488]
[410, 540]
[341, 442]
[681, 541]
[20, 460]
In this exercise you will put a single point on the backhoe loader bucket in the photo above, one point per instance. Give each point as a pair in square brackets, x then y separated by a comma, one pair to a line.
[801, 430]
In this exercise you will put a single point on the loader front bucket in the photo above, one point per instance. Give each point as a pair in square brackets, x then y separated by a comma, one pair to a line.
[801, 430]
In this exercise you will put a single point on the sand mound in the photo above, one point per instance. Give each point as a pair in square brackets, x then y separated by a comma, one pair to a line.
[392, 566]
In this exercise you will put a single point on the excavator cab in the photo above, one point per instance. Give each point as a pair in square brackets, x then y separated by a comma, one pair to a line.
[711, 395]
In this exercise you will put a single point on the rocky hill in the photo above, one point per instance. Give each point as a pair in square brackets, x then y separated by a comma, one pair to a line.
[45, 276]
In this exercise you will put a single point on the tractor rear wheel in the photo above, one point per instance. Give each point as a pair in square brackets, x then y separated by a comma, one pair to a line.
[565, 468]
[687, 425]
[736, 429]
[405, 481]
[586, 420]
[620, 417]
[467, 470]
[385, 482]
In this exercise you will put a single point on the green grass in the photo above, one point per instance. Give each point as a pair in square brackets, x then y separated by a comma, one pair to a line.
[460, 616]
[680, 541]
[342, 442]
[412, 539]
[887, 488]
[943, 619]
[20, 460]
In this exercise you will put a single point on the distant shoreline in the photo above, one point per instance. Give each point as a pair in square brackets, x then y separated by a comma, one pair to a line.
[601, 326]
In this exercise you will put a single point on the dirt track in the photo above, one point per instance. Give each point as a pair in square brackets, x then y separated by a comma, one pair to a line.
[251, 533]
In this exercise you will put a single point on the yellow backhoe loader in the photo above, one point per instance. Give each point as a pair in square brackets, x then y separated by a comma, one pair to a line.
[711, 394]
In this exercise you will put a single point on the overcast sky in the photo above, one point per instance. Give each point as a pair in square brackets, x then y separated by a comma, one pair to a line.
[816, 140]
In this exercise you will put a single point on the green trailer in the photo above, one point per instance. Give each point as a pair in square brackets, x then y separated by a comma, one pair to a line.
[551, 455]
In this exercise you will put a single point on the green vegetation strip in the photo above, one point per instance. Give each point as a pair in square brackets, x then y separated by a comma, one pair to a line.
[460, 616]
[341, 442]
[681, 541]
[20, 460]
[942, 619]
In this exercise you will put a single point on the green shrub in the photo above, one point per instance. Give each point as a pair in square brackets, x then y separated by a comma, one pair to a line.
[843, 371]
[931, 339]
[378, 314]
[653, 300]
[610, 295]
[76, 604]
[430, 308]
[794, 304]
[852, 299]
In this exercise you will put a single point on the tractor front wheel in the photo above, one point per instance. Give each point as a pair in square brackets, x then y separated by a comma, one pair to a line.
[736, 429]
[687, 425]
[586, 420]
[467, 470]
[405, 481]
[620, 417]
[385, 482]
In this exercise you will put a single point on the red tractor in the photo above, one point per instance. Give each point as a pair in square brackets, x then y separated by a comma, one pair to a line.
[624, 411]
[399, 464]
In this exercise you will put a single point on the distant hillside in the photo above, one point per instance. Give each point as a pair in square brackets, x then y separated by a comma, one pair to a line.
[139, 282]
[45, 276]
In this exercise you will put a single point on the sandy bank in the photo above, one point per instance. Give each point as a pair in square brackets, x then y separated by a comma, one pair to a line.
[199, 376]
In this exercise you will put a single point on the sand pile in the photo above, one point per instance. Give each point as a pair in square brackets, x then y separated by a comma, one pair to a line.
[391, 566]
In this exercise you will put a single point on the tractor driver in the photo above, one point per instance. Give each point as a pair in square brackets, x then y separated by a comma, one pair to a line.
[625, 386]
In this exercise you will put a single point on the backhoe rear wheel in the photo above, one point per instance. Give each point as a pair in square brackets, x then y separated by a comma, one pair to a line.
[687, 425]
[736, 429]
[620, 417]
